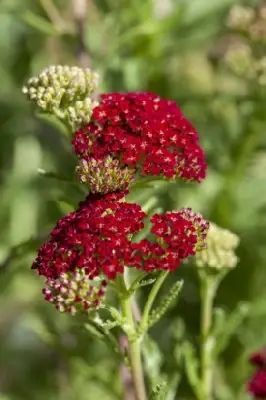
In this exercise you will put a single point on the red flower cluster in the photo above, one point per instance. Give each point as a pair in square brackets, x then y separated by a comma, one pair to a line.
[144, 132]
[178, 235]
[257, 383]
[95, 238]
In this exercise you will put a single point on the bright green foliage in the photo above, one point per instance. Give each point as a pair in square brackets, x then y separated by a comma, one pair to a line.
[165, 303]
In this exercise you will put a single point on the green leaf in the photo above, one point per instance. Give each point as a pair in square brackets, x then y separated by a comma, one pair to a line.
[65, 206]
[159, 392]
[40, 24]
[54, 175]
[94, 331]
[138, 285]
[173, 384]
[114, 314]
[232, 323]
[55, 122]
[192, 367]
[165, 303]
[153, 360]
[22, 249]
[219, 320]
[147, 182]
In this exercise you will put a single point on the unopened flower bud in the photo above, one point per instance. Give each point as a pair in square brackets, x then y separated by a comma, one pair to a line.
[240, 17]
[64, 91]
[104, 176]
[74, 292]
[240, 60]
[220, 250]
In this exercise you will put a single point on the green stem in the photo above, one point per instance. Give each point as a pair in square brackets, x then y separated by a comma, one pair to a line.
[134, 348]
[208, 286]
[152, 296]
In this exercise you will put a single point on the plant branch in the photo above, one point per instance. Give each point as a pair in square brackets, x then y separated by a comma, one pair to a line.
[152, 296]
[134, 349]
[208, 287]
[54, 15]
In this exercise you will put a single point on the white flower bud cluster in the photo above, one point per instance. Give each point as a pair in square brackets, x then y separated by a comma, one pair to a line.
[240, 17]
[104, 176]
[244, 57]
[64, 91]
[239, 59]
[74, 291]
[220, 250]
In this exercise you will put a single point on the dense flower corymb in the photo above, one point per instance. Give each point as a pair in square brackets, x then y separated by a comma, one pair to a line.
[177, 235]
[143, 132]
[95, 238]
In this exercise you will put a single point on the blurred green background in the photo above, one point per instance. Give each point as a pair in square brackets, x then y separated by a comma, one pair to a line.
[175, 48]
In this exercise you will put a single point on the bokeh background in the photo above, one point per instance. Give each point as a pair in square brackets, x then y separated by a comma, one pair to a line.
[178, 49]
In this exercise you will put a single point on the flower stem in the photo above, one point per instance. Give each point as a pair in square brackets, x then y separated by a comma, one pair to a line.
[134, 347]
[208, 286]
[152, 296]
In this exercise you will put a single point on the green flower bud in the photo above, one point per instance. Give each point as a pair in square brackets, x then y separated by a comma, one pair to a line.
[64, 91]
[220, 250]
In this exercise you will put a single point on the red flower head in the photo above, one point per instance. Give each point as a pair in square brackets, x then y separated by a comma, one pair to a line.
[142, 133]
[95, 238]
[178, 235]
[257, 385]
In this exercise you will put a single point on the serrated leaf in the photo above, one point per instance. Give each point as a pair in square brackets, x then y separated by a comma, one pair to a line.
[114, 314]
[165, 303]
[173, 384]
[94, 331]
[138, 285]
[39, 23]
[103, 334]
[230, 327]
[159, 392]
[192, 367]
